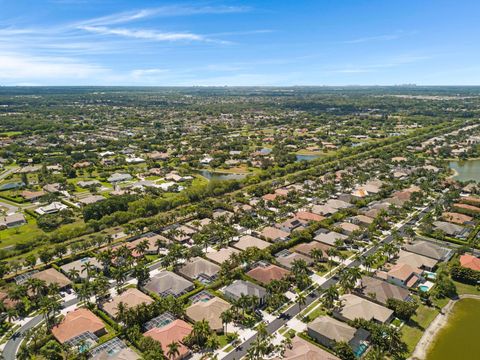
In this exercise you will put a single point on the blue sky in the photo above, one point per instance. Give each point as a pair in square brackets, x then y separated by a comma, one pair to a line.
[309, 42]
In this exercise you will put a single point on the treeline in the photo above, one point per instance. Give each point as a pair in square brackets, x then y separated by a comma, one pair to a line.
[106, 207]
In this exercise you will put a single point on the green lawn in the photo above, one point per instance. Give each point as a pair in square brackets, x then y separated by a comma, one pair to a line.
[466, 289]
[413, 330]
[29, 231]
[223, 340]
[319, 311]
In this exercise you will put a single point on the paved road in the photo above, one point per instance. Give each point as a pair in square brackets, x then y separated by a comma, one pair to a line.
[13, 344]
[11, 347]
[283, 318]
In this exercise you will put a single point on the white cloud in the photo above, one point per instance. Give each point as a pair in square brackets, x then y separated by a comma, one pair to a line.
[144, 34]
[128, 16]
[20, 68]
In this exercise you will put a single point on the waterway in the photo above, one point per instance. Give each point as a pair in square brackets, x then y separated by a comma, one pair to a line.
[459, 338]
[301, 157]
[466, 170]
[213, 175]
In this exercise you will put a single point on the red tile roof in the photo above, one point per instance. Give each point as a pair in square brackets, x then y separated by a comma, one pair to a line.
[470, 262]
[77, 322]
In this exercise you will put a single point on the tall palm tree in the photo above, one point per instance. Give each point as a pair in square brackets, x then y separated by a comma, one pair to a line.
[227, 317]
[330, 296]
[301, 300]
[173, 350]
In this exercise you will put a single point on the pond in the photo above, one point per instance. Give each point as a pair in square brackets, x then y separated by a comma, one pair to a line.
[213, 175]
[466, 170]
[459, 338]
[301, 157]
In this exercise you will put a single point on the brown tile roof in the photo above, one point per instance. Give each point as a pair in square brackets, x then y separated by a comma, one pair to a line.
[75, 323]
[247, 241]
[309, 216]
[209, 310]
[456, 218]
[52, 276]
[130, 298]
[467, 207]
[265, 274]
[176, 331]
[222, 255]
[273, 234]
[403, 271]
[307, 248]
[303, 350]
[382, 290]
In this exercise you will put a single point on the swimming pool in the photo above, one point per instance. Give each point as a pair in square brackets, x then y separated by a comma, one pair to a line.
[360, 349]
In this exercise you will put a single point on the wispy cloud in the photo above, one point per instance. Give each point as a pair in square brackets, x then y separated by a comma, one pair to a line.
[165, 11]
[144, 34]
[373, 38]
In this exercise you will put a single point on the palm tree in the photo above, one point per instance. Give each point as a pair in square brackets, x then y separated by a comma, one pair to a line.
[302, 300]
[87, 267]
[73, 274]
[173, 350]
[142, 247]
[330, 296]
[227, 317]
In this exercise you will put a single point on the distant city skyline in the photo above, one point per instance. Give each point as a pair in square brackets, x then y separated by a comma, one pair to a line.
[239, 43]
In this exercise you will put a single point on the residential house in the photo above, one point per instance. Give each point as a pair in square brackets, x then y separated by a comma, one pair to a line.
[79, 265]
[264, 272]
[222, 255]
[275, 235]
[430, 250]
[362, 220]
[470, 262]
[76, 323]
[248, 241]
[404, 275]
[209, 310]
[292, 224]
[91, 199]
[355, 307]
[52, 276]
[52, 208]
[130, 298]
[13, 220]
[176, 331]
[304, 350]
[309, 216]
[451, 229]
[457, 218]
[328, 331]
[380, 290]
[330, 238]
[416, 260]
[348, 228]
[114, 349]
[241, 287]
[200, 269]
[32, 195]
[119, 177]
[306, 248]
[168, 283]
[287, 258]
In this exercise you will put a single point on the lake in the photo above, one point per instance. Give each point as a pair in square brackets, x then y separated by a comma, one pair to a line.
[467, 170]
[459, 338]
[301, 157]
[213, 175]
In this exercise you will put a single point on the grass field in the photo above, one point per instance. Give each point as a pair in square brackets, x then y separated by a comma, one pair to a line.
[29, 231]
[413, 330]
